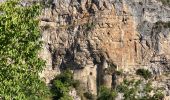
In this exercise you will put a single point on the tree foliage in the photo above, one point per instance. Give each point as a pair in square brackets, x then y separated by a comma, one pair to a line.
[106, 94]
[62, 85]
[19, 46]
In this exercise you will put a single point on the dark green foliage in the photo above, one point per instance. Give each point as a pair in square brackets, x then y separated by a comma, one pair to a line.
[65, 77]
[62, 85]
[106, 94]
[144, 73]
[19, 46]
[161, 24]
[60, 90]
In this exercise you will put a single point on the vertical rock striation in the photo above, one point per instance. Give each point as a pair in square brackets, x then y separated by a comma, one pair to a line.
[91, 37]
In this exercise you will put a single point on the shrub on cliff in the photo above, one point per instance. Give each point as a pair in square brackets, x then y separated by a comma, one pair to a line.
[106, 94]
[19, 46]
[129, 88]
[62, 84]
[158, 96]
[144, 73]
[136, 90]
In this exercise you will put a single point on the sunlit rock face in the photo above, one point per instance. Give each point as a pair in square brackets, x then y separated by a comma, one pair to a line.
[91, 36]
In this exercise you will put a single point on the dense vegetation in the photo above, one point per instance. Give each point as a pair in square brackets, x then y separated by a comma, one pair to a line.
[19, 46]
[62, 84]
[106, 93]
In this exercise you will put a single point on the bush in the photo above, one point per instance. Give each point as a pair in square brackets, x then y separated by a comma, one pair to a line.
[61, 85]
[129, 89]
[60, 90]
[106, 94]
[132, 90]
[146, 74]
[65, 77]
[158, 96]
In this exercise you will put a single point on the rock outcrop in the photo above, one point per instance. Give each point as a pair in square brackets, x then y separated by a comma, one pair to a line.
[91, 37]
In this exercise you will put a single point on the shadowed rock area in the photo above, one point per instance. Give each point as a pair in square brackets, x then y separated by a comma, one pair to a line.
[93, 36]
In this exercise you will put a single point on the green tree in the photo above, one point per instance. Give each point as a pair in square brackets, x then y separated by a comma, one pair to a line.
[19, 46]
[62, 84]
[60, 90]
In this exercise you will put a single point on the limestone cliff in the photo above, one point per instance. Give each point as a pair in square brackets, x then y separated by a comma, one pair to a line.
[91, 36]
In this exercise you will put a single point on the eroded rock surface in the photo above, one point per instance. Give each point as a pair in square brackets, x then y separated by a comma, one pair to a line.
[91, 36]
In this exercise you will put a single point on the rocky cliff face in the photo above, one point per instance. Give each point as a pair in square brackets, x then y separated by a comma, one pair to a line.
[92, 36]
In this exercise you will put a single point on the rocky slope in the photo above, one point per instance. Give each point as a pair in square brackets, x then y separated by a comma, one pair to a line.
[93, 36]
